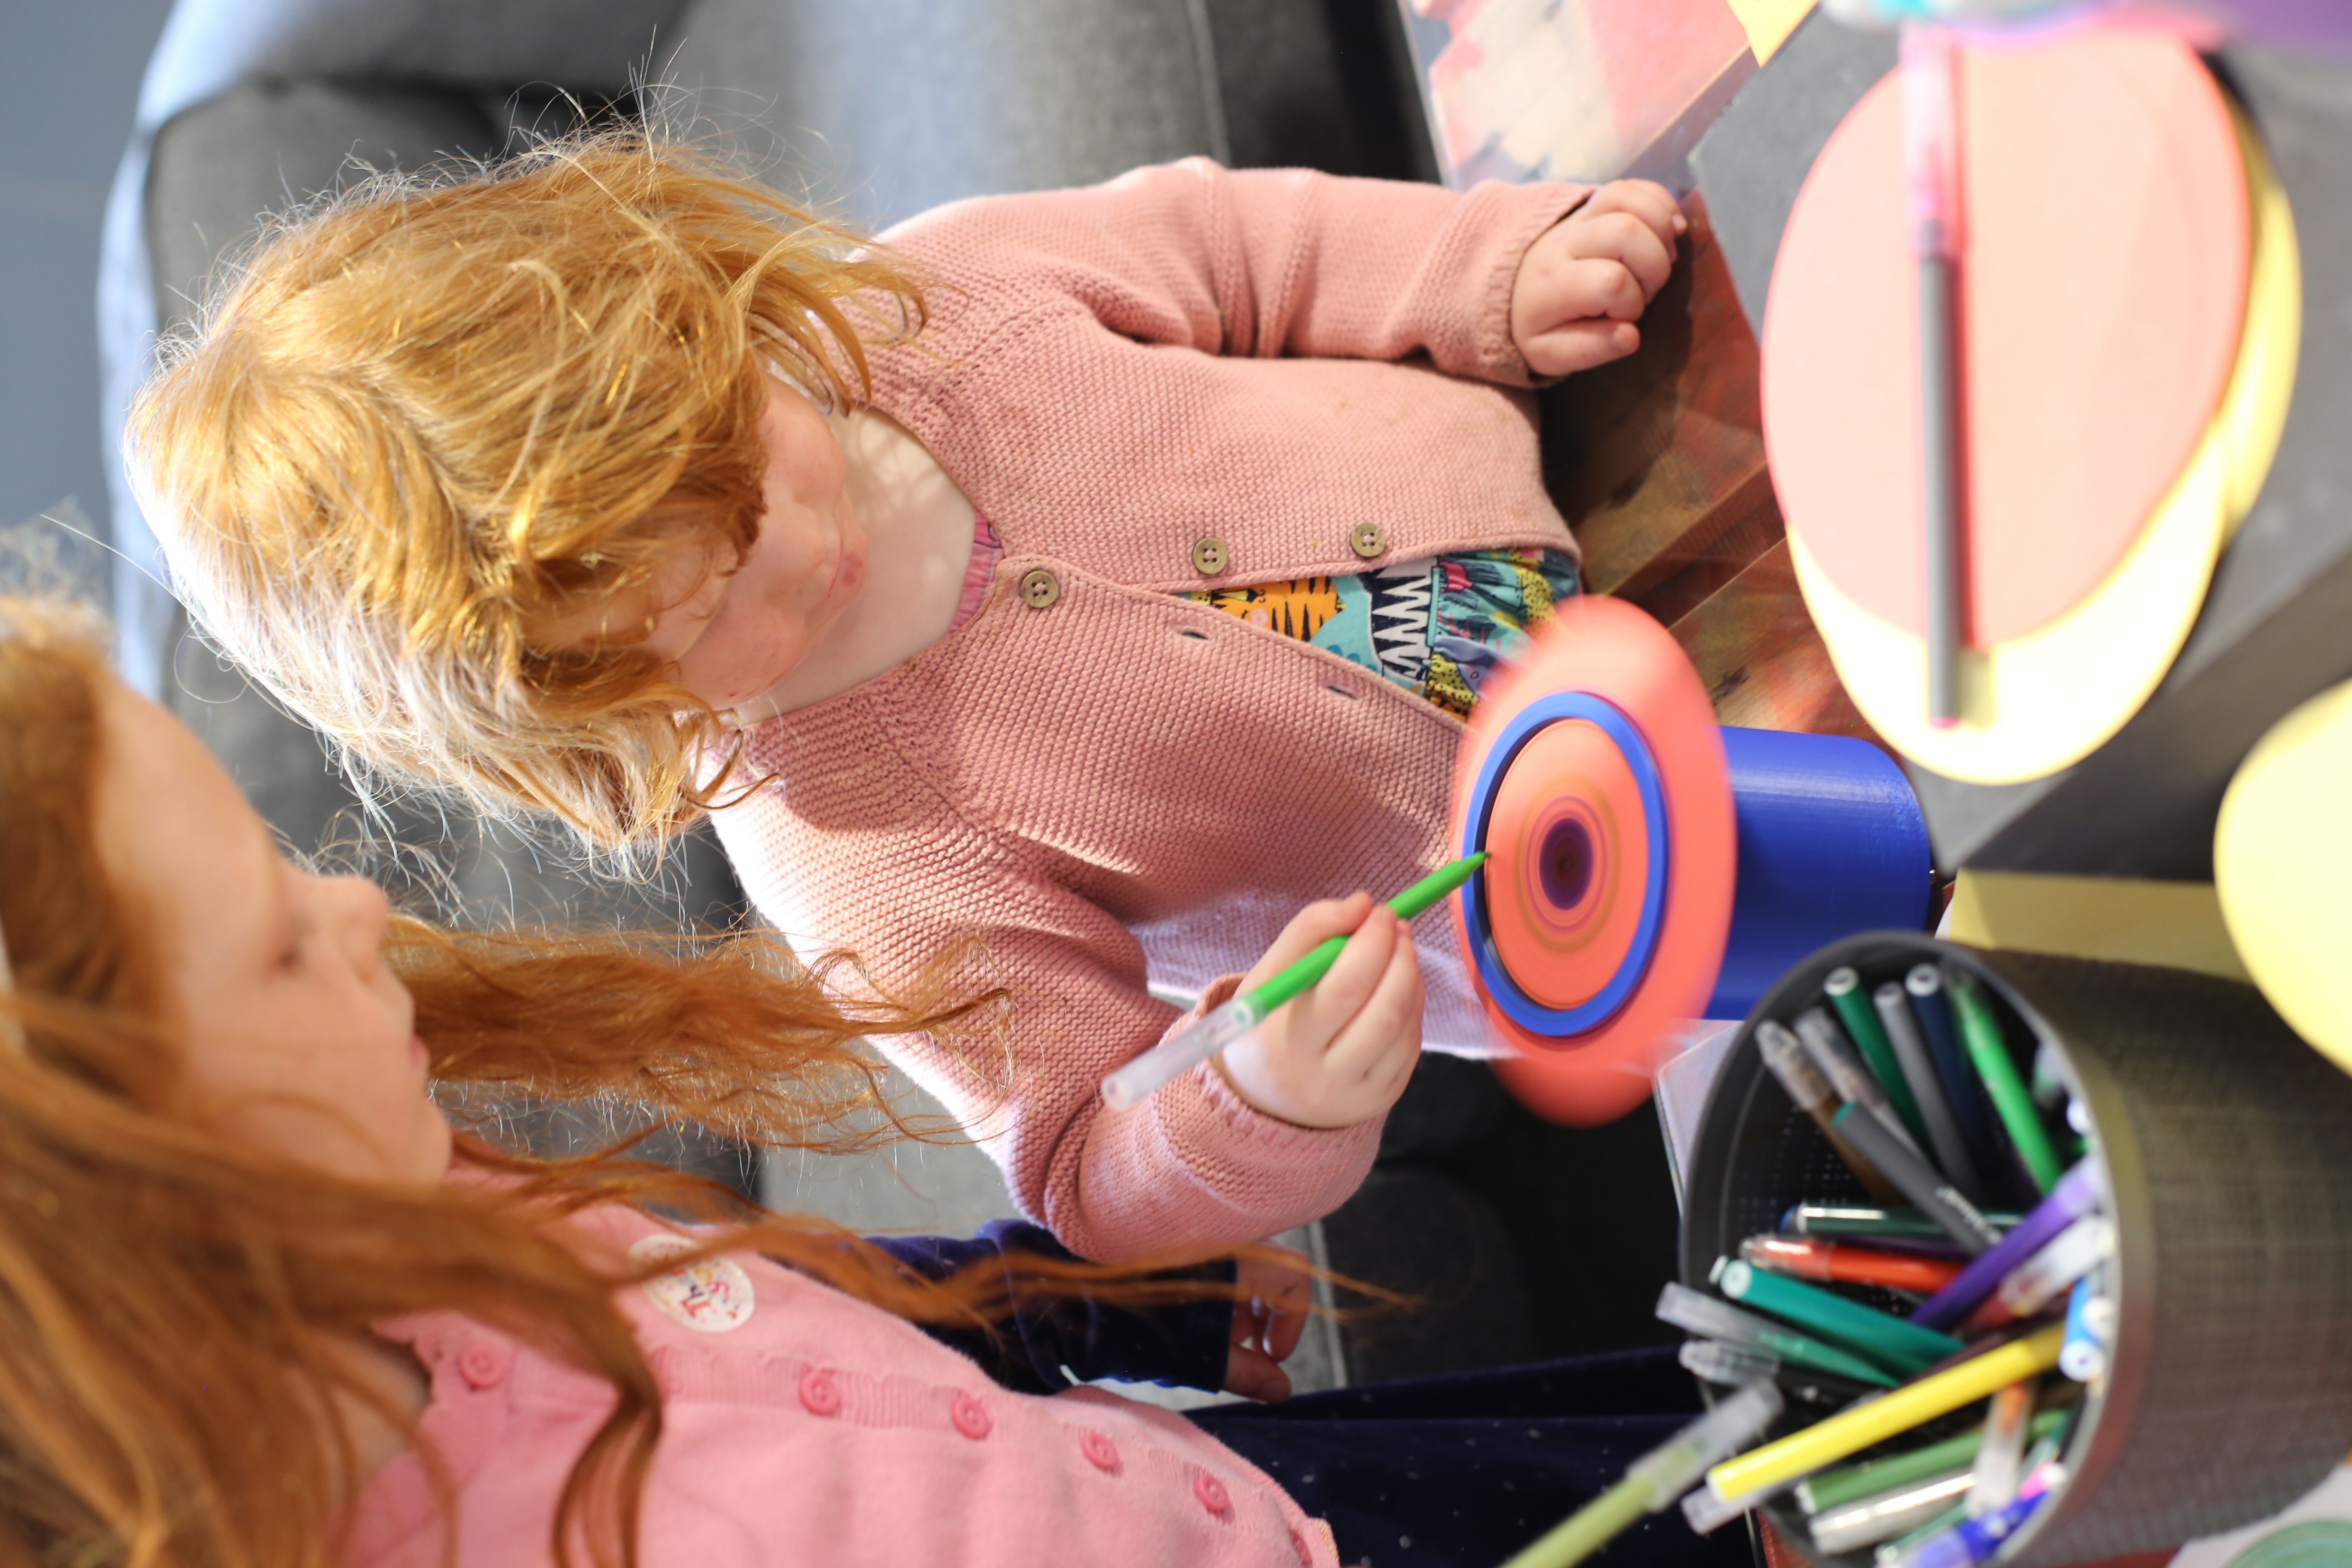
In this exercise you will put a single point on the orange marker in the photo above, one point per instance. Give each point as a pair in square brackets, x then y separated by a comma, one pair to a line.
[1810, 1257]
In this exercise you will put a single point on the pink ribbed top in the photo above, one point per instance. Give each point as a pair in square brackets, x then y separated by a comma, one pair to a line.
[1121, 785]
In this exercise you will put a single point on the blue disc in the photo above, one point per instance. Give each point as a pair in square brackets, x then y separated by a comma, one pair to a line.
[1562, 1023]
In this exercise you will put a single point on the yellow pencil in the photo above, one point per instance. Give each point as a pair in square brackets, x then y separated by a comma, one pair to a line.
[1899, 1410]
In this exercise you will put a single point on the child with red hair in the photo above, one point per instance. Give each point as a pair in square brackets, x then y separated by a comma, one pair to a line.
[257, 1305]
[1100, 575]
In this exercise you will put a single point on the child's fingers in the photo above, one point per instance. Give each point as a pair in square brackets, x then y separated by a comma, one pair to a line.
[1583, 345]
[1281, 1284]
[1645, 199]
[1321, 1014]
[1254, 1375]
[1625, 239]
[1281, 1334]
[1385, 1031]
[1593, 288]
[1309, 929]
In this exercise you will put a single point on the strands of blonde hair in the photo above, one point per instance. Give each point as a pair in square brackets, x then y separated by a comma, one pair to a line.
[430, 419]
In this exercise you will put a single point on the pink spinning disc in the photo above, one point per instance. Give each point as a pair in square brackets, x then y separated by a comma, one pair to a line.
[1593, 776]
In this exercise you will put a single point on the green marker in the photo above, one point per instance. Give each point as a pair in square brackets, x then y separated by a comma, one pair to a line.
[1989, 1054]
[1835, 1489]
[1903, 1348]
[1695, 1311]
[1843, 988]
[1214, 1032]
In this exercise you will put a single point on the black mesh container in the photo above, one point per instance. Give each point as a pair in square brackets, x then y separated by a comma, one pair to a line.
[2228, 1144]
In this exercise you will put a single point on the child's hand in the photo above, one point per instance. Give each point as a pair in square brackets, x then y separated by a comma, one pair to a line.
[1588, 278]
[1341, 1052]
[1266, 1325]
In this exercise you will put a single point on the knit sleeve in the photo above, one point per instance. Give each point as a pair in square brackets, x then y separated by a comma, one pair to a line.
[1266, 262]
[1193, 1166]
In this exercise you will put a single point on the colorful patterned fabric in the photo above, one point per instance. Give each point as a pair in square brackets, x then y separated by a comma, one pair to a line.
[1434, 626]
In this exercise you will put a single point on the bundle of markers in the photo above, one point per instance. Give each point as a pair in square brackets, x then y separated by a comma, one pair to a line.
[1915, 1087]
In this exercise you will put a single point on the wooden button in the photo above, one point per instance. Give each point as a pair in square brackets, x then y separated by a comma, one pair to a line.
[1366, 540]
[1040, 588]
[1209, 556]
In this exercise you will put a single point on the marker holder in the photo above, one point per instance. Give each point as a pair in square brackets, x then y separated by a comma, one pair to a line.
[2227, 1145]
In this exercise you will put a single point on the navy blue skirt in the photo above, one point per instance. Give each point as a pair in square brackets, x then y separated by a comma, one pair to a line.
[1464, 1470]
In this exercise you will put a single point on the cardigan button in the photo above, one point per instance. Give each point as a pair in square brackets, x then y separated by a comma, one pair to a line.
[1100, 1450]
[1209, 556]
[1040, 588]
[482, 1366]
[1212, 1493]
[970, 1417]
[819, 1393]
[1366, 540]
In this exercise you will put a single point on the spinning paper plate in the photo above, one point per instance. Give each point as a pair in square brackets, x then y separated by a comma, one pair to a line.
[2130, 312]
[1646, 867]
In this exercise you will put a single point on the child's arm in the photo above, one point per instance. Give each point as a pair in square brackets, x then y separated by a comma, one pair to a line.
[1275, 262]
[1195, 1165]
[1215, 1344]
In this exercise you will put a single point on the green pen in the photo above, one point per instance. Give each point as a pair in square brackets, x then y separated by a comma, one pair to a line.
[1989, 1054]
[1835, 1489]
[1904, 1348]
[1696, 1312]
[1843, 988]
[1214, 1031]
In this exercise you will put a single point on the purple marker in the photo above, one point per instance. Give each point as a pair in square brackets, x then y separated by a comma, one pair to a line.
[2078, 1192]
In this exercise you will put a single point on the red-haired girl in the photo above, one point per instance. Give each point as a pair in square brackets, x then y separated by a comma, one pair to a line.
[258, 1307]
[1098, 574]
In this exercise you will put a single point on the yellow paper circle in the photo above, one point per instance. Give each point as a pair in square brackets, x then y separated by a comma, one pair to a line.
[2282, 866]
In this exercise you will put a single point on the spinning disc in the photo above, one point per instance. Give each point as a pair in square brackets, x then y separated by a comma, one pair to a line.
[1593, 776]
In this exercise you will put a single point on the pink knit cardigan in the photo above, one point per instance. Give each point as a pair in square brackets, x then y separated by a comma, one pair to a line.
[800, 1426]
[1101, 782]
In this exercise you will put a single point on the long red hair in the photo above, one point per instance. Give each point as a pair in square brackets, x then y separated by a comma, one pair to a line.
[163, 1291]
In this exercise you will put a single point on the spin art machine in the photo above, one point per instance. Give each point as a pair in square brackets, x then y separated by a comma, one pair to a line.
[1647, 865]
[2119, 418]
[2155, 280]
